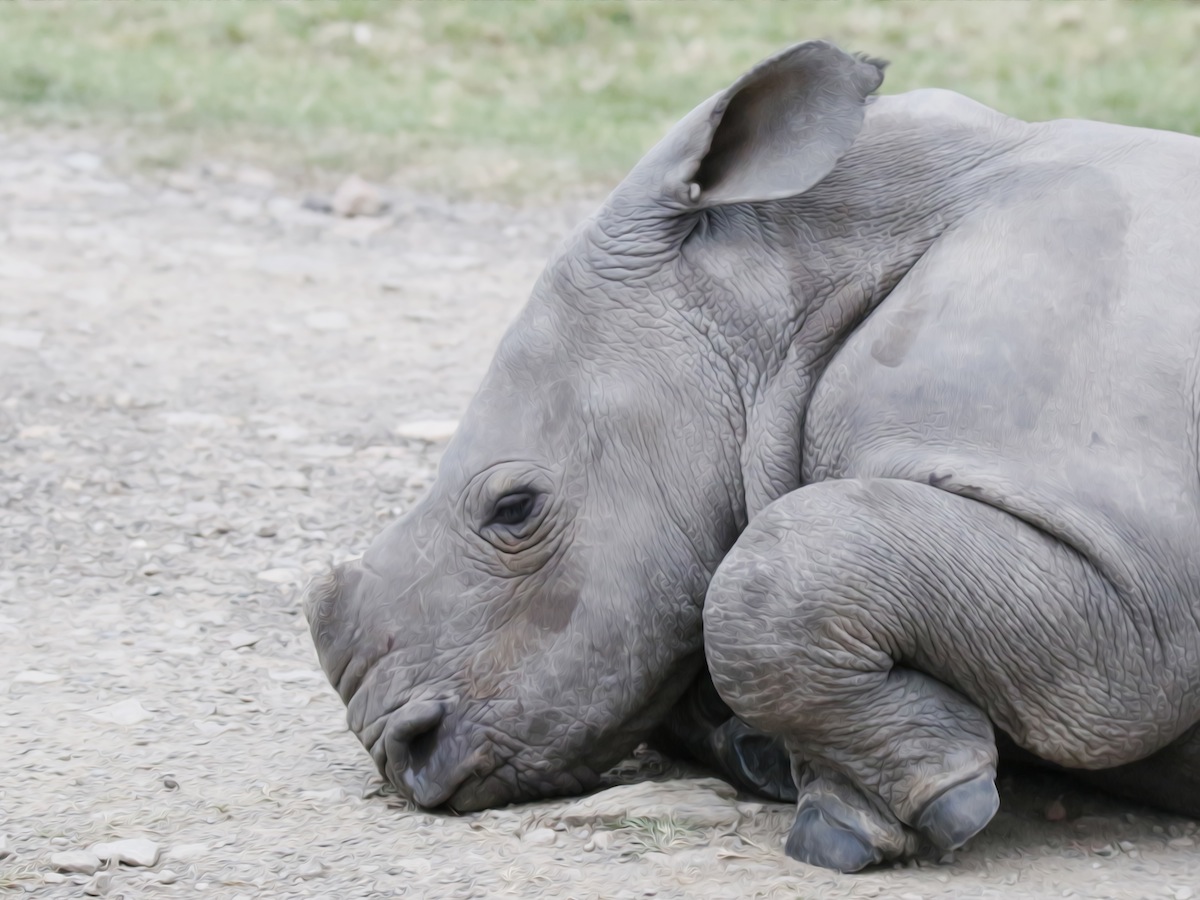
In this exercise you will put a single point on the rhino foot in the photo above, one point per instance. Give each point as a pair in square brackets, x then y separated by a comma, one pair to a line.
[817, 840]
[959, 813]
[839, 826]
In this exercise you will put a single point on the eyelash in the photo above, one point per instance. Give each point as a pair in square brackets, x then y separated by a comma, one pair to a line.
[513, 509]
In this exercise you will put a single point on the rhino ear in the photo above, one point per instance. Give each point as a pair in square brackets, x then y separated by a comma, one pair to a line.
[776, 132]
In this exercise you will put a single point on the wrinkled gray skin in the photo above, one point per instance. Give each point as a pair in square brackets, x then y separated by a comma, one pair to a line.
[888, 406]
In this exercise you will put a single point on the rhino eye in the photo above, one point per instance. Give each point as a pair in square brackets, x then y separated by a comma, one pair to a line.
[513, 509]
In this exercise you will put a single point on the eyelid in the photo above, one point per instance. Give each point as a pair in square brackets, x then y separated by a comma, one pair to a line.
[532, 519]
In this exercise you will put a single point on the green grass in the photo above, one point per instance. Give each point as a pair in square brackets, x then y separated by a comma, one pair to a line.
[535, 96]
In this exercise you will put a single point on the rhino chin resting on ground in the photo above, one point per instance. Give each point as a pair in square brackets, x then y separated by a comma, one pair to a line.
[877, 414]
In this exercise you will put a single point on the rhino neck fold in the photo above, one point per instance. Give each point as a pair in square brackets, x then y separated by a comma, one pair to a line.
[797, 277]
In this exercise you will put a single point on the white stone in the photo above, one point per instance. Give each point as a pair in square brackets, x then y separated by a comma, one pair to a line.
[540, 837]
[327, 320]
[430, 430]
[326, 451]
[24, 338]
[20, 269]
[286, 433]
[81, 861]
[33, 676]
[99, 885]
[130, 852]
[192, 419]
[127, 712]
[279, 576]
[243, 639]
[356, 197]
[252, 176]
[38, 432]
[83, 161]
[240, 209]
[311, 869]
[186, 853]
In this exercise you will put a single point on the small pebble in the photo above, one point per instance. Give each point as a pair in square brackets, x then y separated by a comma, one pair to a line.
[187, 853]
[540, 837]
[32, 676]
[127, 712]
[131, 852]
[311, 869]
[329, 320]
[278, 576]
[1126, 846]
[170, 783]
[431, 431]
[81, 861]
[166, 876]
[22, 338]
[99, 885]
[82, 161]
[1181, 842]
[5, 850]
[1184, 893]
[54, 878]
[357, 197]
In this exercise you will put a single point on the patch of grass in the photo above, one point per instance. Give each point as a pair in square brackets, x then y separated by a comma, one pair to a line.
[531, 97]
[647, 834]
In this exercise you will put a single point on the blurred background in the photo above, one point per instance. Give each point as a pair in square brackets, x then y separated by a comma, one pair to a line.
[532, 99]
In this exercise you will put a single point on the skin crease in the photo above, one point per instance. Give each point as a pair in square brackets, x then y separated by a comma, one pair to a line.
[891, 343]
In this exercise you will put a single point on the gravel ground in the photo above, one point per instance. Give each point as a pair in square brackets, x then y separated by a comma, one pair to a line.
[207, 394]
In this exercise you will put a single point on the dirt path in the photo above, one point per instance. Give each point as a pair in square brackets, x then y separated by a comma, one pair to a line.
[200, 389]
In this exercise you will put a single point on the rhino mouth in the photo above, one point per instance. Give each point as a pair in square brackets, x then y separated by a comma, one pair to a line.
[428, 756]
[437, 760]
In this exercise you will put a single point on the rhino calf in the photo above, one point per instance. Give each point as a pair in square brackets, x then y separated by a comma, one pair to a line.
[879, 411]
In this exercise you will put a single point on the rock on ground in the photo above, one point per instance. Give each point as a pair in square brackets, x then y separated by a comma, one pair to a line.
[186, 435]
[130, 852]
[82, 861]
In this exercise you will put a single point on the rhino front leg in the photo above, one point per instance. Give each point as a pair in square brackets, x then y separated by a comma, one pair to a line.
[881, 626]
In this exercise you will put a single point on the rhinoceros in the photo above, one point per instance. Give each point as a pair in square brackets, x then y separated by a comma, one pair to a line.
[851, 435]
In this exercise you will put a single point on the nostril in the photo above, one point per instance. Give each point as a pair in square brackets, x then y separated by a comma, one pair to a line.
[412, 736]
[420, 748]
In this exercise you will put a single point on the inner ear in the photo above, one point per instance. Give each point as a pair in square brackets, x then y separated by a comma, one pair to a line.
[748, 123]
[783, 126]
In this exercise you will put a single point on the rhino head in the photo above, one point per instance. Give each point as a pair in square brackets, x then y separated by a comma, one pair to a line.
[538, 612]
